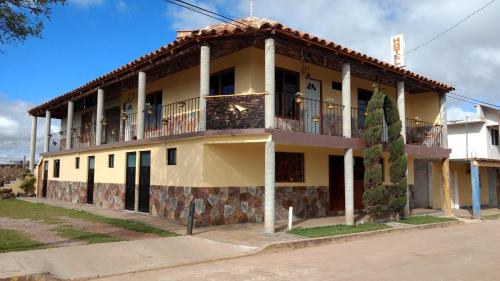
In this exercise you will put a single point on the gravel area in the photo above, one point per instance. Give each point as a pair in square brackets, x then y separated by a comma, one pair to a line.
[103, 228]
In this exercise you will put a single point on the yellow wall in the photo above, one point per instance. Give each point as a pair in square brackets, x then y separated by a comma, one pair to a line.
[425, 106]
[465, 185]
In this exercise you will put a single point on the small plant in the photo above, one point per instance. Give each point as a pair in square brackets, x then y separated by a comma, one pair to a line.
[28, 184]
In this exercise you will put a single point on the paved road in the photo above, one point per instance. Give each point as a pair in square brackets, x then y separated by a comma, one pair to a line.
[465, 252]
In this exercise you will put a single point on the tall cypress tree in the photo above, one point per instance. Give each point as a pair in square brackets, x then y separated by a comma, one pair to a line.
[378, 197]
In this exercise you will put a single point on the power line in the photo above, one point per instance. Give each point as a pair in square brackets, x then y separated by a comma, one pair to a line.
[464, 100]
[476, 100]
[235, 22]
[452, 27]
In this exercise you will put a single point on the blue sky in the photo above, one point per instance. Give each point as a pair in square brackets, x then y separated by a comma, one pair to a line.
[80, 43]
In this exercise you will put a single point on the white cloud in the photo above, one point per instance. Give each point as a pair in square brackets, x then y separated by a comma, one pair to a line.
[467, 57]
[122, 6]
[184, 19]
[15, 130]
[86, 3]
[457, 113]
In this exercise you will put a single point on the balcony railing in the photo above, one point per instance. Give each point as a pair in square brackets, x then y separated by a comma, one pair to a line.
[111, 130]
[174, 119]
[308, 116]
[423, 133]
[82, 137]
[129, 127]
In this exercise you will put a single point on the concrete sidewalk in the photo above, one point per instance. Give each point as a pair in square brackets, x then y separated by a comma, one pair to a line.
[92, 261]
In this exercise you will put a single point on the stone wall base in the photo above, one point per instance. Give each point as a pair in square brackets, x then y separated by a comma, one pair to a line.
[106, 195]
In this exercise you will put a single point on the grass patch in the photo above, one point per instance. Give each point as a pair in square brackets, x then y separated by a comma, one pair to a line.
[72, 233]
[12, 240]
[339, 229]
[425, 220]
[19, 209]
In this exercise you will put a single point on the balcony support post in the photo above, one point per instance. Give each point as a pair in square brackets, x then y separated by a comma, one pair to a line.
[69, 124]
[204, 84]
[99, 116]
[141, 104]
[348, 156]
[47, 132]
[269, 186]
[400, 100]
[33, 144]
[445, 174]
[269, 83]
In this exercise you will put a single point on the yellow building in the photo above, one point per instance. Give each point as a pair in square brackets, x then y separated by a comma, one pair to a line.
[244, 122]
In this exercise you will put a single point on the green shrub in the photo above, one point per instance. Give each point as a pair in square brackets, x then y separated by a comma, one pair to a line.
[28, 185]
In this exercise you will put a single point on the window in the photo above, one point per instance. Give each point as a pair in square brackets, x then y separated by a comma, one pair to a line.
[111, 161]
[172, 156]
[57, 165]
[336, 86]
[287, 85]
[222, 83]
[77, 162]
[289, 167]
[494, 136]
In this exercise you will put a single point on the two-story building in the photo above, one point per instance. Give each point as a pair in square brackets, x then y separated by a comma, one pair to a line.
[244, 119]
[475, 160]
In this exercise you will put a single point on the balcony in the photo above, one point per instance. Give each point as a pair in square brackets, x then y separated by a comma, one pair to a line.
[245, 111]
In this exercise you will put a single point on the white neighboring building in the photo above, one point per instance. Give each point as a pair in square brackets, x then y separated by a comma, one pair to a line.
[475, 144]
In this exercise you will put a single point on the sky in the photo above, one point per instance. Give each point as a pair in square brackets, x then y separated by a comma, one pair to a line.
[87, 38]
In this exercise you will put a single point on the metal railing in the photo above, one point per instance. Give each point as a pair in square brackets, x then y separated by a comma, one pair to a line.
[129, 127]
[176, 118]
[82, 137]
[358, 117]
[423, 133]
[308, 115]
[111, 130]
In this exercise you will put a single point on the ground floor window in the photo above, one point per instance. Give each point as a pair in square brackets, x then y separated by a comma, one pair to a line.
[289, 167]
[57, 165]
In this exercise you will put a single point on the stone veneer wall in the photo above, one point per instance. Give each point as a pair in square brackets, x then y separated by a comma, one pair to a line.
[228, 205]
[109, 195]
[235, 112]
[69, 191]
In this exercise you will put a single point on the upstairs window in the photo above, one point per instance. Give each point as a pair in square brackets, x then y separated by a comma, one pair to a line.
[57, 165]
[494, 136]
[289, 167]
[287, 85]
[222, 83]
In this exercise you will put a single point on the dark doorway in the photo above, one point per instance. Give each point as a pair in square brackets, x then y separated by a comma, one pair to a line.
[90, 180]
[364, 97]
[336, 183]
[144, 179]
[130, 181]
[45, 178]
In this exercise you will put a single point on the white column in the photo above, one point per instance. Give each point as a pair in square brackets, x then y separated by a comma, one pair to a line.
[400, 100]
[204, 84]
[269, 187]
[141, 104]
[444, 120]
[69, 124]
[348, 156]
[46, 142]
[33, 143]
[99, 115]
[269, 87]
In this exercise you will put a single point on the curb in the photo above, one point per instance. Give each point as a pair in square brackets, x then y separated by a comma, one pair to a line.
[314, 242]
[269, 248]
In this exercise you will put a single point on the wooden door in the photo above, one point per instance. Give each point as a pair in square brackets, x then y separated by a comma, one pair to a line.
[130, 181]
[144, 181]
[312, 107]
[336, 183]
[359, 186]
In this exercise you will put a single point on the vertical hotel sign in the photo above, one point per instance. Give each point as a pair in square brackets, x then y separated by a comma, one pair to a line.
[398, 50]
